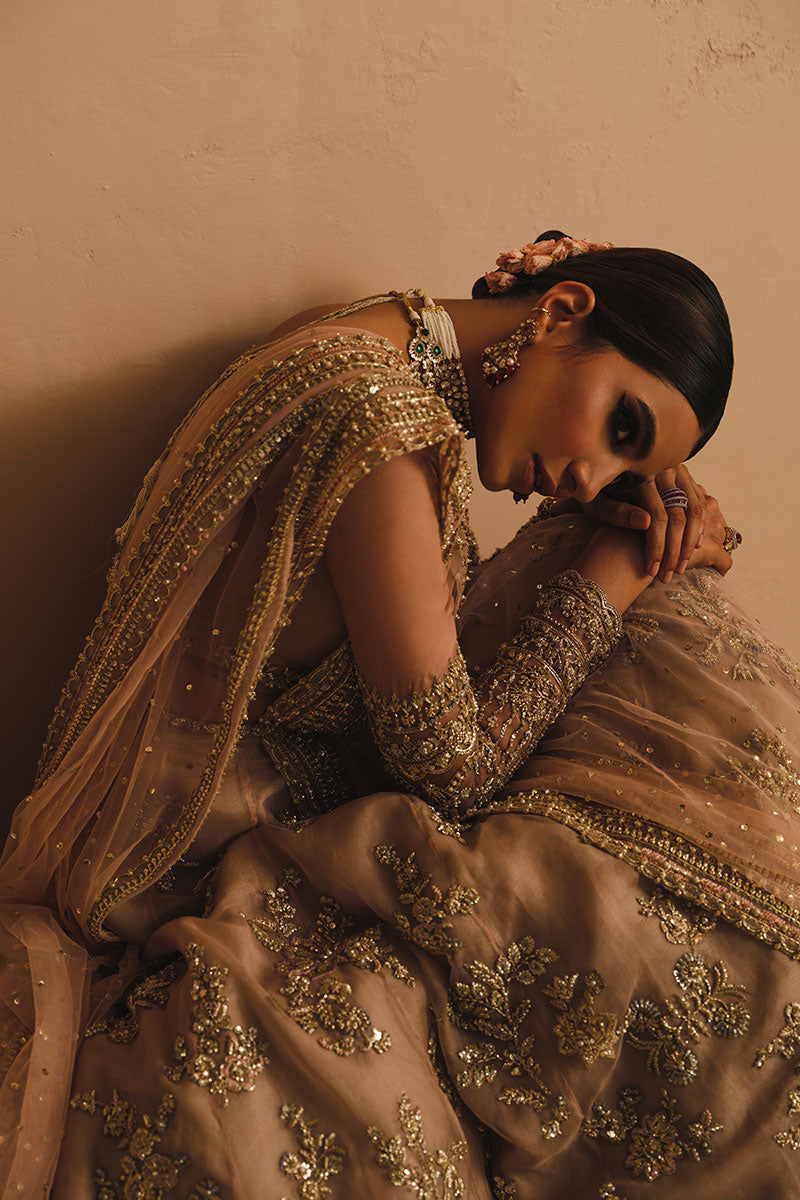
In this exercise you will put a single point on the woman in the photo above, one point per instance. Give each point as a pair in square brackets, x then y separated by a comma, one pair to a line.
[439, 988]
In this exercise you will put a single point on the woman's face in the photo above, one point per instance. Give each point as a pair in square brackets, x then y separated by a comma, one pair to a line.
[568, 425]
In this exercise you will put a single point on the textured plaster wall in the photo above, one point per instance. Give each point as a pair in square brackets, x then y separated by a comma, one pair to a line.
[186, 173]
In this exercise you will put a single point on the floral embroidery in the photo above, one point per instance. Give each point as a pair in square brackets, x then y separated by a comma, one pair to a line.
[682, 923]
[123, 1027]
[332, 941]
[790, 1138]
[317, 1159]
[609, 1192]
[435, 1176]
[144, 1173]
[580, 1029]
[637, 630]
[503, 1189]
[728, 634]
[786, 1045]
[482, 1005]
[653, 1140]
[787, 1042]
[329, 1008]
[709, 1004]
[228, 1057]
[777, 777]
[553, 1117]
[427, 925]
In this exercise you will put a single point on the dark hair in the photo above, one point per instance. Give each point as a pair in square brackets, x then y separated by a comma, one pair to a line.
[657, 309]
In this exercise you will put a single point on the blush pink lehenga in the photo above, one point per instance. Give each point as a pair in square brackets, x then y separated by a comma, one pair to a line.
[245, 957]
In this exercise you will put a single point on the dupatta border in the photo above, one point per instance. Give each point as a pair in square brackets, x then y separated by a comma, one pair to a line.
[684, 868]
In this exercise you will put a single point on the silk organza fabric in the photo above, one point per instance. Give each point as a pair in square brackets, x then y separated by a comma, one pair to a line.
[441, 1011]
[143, 750]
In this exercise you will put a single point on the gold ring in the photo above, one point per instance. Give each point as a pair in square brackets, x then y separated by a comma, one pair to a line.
[731, 540]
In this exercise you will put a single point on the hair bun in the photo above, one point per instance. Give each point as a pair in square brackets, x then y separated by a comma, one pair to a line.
[551, 234]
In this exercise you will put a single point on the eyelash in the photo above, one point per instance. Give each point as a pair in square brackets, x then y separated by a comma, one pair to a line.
[624, 415]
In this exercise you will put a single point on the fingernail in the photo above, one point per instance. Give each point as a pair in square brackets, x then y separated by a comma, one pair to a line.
[638, 520]
[654, 567]
[682, 565]
[667, 576]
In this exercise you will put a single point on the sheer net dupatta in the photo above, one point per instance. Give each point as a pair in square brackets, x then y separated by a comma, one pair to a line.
[228, 528]
[680, 754]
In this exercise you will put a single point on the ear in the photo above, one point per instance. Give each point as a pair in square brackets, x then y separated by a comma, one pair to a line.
[569, 304]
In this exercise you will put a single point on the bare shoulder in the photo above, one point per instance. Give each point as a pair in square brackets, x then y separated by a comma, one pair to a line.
[388, 320]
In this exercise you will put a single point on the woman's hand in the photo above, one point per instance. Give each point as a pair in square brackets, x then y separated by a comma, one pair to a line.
[709, 552]
[672, 534]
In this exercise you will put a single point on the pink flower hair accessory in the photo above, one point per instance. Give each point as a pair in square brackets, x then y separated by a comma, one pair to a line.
[535, 257]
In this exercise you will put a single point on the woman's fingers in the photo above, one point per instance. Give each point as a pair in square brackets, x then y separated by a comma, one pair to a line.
[649, 499]
[693, 515]
[621, 513]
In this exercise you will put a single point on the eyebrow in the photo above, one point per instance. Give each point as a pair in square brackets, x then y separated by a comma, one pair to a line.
[648, 438]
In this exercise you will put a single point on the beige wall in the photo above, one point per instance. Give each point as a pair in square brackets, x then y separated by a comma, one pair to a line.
[186, 173]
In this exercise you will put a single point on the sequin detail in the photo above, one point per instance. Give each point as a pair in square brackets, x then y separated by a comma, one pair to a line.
[457, 744]
[228, 1058]
[731, 637]
[653, 1139]
[786, 1045]
[708, 1004]
[482, 1005]
[580, 1029]
[144, 1173]
[688, 870]
[682, 923]
[427, 921]
[317, 1000]
[152, 991]
[318, 1157]
[410, 1164]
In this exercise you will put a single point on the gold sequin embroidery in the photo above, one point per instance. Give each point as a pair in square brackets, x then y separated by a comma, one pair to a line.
[410, 1164]
[318, 1157]
[457, 744]
[429, 908]
[663, 856]
[332, 941]
[482, 1004]
[682, 923]
[786, 1045]
[580, 1029]
[709, 1003]
[345, 433]
[653, 1140]
[728, 634]
[154, 990]
[144, 1173]
[228, 1057]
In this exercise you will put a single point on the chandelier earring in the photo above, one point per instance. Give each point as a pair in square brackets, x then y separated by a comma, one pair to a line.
[501, 359]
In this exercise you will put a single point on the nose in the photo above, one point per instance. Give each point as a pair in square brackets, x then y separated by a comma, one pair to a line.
[580, 481]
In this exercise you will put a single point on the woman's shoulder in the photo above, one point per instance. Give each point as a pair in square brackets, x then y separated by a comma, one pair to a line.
[387, 319]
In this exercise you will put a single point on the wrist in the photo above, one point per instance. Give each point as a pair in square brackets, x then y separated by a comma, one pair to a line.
[614, 560]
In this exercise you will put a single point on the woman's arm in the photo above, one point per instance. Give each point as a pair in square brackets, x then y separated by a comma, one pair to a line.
[448, 737]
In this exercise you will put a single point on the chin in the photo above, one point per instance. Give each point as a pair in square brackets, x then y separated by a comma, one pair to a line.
[492, 477]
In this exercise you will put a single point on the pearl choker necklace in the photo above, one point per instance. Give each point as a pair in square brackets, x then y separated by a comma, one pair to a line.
[436, 359]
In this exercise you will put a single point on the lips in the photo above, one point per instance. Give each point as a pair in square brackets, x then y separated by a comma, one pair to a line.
[535, 479]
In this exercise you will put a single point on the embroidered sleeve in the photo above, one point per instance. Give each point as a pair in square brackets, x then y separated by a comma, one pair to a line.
[458, 741]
